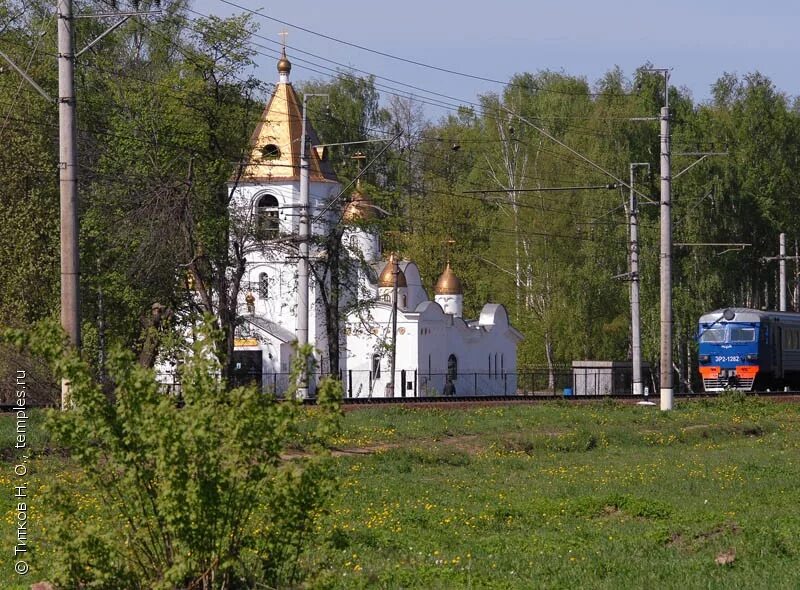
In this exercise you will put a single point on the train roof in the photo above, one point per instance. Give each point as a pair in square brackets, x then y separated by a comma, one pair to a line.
[743, 314]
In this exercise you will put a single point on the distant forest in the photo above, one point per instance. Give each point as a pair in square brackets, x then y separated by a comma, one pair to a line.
[166, 107]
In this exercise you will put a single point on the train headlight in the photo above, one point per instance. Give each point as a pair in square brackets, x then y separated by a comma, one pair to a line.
[704, 358]
[751, 358]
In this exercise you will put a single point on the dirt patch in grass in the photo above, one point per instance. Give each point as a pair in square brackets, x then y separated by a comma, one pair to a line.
[467, 443]
[696, 427]
[690, 544]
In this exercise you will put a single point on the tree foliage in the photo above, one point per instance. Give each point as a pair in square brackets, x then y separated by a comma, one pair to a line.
[166, 107]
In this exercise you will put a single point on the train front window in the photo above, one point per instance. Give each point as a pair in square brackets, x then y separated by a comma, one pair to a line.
[743, 334]
[713, 335]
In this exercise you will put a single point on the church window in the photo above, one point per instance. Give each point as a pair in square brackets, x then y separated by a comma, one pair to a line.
[263, 285]
[403, 301]
[452, 367]
[270, 152]
[267, 223]
[376, 366]
[495, 364]
[387, 298]
[353, 242]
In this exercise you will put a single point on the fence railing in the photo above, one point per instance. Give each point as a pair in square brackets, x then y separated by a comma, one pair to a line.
[418, 384]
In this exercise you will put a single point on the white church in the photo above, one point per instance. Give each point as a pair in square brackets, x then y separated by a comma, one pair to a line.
[433, 343]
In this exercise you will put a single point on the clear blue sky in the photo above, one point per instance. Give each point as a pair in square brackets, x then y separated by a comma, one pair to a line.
[699, 40]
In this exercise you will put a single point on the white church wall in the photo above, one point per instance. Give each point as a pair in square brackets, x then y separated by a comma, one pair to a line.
[367, 334]
[320, 197]
[246, 197]
[281, 295]
[361, 245]
[416, 292]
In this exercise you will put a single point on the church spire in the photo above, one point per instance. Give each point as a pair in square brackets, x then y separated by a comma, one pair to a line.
[275, 144]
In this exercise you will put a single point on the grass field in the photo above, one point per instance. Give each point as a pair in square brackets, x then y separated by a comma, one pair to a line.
[555, 495]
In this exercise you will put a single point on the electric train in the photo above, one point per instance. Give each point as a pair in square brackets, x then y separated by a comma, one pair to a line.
[748, 349]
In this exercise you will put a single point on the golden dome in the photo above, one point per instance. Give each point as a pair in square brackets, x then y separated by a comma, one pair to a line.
[386, 279]
[284, 65]
[448, 283]
[360, 208]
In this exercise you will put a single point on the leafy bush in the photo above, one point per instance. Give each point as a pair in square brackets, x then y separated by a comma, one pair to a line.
[193, 494]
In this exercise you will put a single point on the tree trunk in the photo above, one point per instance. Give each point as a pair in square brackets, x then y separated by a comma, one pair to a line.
[332, 311]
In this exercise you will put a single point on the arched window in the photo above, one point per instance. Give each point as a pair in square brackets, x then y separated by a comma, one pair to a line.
[354, 242]
[376, 366]
[267, 223]
[270, 152]
[263, 285]
[452, 367]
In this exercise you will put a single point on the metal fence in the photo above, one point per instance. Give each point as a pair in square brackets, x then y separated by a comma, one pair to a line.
[588, 381]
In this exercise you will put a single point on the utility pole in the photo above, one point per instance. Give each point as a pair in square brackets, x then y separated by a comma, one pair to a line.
[782, 267]
[781, 258]
[636, 338]
[304, 235]
[796, 288]
[666, 256]
[68, 181]
[393, 357]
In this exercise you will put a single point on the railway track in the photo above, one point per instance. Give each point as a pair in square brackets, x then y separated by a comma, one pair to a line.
[477, 400]
[787, 396]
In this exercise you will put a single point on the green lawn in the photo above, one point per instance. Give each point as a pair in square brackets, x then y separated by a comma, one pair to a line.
[569, 496]
[546, 496]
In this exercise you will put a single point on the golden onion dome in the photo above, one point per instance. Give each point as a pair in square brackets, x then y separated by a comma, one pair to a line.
[284, 65]
[360, 208]
[386, 278]
[448, 283]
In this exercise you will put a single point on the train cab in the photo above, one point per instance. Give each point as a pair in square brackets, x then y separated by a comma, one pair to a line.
[732, 347]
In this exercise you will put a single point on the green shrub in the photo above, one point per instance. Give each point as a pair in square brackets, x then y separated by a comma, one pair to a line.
[190, 495]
